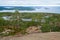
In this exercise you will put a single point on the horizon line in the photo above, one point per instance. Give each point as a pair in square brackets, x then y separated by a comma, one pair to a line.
[29, 5]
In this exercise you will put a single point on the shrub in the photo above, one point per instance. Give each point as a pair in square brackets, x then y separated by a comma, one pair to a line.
[1, 29]
[45, 28]
[55, 29]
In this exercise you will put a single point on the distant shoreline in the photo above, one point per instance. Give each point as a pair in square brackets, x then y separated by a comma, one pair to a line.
[29, 11]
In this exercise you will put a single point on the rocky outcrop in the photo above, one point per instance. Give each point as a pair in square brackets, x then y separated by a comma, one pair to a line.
[33, 29]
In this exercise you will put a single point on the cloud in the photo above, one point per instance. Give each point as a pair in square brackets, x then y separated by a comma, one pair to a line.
[50, 9]
[29, 2]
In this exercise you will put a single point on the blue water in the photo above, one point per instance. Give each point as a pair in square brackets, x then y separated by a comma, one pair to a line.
[16, 7]
[52, 9]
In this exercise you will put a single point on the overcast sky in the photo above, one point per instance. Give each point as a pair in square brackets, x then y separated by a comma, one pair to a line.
[29, 2]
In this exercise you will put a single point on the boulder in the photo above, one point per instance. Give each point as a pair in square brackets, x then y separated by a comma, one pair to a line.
[33, 29]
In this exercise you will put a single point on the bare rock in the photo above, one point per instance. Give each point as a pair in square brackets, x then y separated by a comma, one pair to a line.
[33, 29]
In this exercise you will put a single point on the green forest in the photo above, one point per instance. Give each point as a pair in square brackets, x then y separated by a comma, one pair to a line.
[49, 22]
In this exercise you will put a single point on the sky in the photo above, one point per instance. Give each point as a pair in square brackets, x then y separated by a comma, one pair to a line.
[28, 2]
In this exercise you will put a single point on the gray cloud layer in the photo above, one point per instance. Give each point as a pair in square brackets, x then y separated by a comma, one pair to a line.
[29, 2]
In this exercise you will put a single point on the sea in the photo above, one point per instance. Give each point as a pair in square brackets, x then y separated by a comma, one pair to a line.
[48, 9]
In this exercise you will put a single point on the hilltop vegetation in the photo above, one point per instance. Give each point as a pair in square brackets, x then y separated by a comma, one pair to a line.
[49, 22]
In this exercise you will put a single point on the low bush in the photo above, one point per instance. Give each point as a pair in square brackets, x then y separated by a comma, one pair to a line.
[46, 28]
[55, 29]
